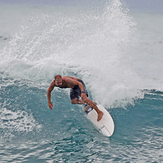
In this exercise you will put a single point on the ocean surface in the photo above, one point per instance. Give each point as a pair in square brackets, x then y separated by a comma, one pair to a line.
[116, 51]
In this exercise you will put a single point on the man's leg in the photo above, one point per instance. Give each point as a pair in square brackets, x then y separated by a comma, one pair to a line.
[93, 105]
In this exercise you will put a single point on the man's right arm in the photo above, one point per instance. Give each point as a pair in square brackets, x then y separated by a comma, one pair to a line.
[51, 87]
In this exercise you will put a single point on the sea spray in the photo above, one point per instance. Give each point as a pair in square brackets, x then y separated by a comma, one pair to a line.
[91, 45]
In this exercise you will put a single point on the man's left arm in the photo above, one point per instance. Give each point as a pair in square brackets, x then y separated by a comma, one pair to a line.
[80, 86]
[83, 94]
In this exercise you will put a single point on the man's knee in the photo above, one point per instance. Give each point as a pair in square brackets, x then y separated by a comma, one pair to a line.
[74, 101]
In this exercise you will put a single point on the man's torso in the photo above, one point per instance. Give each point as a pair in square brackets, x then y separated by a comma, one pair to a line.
[66, 84]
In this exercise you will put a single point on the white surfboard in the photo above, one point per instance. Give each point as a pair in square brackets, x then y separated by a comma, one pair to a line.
[106, 125]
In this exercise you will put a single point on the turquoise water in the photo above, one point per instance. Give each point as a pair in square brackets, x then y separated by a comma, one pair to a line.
[30, 132]
[117, 53]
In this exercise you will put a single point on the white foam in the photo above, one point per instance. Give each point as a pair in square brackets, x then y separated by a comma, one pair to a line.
[98, 46]
[17, 122]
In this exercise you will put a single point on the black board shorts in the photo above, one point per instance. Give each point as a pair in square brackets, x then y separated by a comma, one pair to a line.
[76, 91]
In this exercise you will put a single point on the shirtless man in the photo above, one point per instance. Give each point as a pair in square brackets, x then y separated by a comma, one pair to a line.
[77, 90]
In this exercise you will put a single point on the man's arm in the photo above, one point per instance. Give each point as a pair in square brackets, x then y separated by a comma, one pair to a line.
[51, 87]
[76, 82]
[80, 86]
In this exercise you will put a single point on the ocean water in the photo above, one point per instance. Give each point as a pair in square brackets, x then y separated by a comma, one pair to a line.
[116, 51]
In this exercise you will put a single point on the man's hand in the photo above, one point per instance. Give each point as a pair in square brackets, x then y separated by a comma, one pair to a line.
[51, 105]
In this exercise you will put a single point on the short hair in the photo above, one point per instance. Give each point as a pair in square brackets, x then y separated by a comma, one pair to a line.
[57, 76]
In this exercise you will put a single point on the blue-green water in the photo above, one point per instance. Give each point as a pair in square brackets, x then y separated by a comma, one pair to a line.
[30, 132]
[120, 63]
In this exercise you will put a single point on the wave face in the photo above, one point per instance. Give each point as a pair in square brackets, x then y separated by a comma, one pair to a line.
[104, 47]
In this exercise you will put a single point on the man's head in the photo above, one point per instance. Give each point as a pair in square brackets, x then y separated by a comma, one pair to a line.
[58, 80]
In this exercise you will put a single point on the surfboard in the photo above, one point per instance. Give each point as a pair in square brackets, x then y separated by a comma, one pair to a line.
[106, 125]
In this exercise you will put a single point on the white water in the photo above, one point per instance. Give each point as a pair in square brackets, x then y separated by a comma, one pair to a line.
[102, 47]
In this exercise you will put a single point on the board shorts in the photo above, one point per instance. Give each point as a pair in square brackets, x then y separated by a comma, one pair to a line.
[76, 91]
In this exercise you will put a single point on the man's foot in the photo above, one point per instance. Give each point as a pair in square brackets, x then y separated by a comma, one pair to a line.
[100, 115]
[86, 107]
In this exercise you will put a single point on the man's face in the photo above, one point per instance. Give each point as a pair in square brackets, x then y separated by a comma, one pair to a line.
[58, 81]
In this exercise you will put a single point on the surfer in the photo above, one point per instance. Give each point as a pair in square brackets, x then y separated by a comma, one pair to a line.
[77, 90]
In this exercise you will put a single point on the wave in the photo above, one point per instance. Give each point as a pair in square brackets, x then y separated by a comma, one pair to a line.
[90, 45]
[100, 47]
